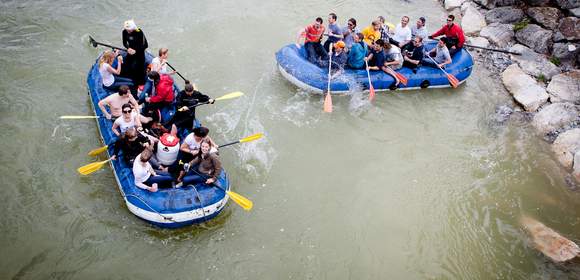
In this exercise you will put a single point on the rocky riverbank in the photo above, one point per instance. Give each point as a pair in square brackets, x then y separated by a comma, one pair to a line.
[544, 80]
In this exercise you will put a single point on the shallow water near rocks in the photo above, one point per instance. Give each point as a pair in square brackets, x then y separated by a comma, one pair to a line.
[417, 185]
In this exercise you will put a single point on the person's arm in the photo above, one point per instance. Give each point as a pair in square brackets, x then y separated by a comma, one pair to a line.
[217, 169]
[133, 102]
[438, 32]
[447, 61]
[301, 34]
[103, 109]
[159, 97]
[115, 130]
[145, 44]
[460, 37]
[201, 98]
[185, 148]
[138, 122]
[118, 70]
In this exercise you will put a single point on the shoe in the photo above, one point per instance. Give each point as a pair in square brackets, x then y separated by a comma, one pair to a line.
[178, 185]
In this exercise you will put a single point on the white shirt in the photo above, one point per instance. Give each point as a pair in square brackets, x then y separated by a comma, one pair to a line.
[124, 125]
[402, 33]
[395, 54]
[106, 76]
[141, 172]
[156, 66]
[190, 141]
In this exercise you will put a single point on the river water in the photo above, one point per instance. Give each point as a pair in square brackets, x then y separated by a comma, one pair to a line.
[418, 185]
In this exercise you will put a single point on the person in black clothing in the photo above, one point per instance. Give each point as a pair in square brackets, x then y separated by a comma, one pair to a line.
[413, 59]
[134, 65]
[132, 144]
[186, 103]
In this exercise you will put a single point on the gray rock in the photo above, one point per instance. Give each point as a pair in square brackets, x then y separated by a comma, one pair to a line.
[568, 4]
[452, 4]
[566, 146]
[568, 29]
[524, 88]
[537, 2]
[534, 63]
[478, 41]
[566, 51]
[565, 87]
[555, 116]
[504, 15]
[575, 12]
[547, 17]
[472, 20]
[498, 33]
[490, 4]
[535, 37]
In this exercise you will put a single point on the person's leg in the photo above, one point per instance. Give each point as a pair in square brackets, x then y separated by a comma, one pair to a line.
[392, 74]
[428, 62]
[453, 51]
[193, 179]
[320, 51]
[146, 91]
[160, 180]
[310, 52]
[327, 46]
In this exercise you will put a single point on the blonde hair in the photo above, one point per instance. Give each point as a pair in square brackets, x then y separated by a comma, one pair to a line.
[107, 57]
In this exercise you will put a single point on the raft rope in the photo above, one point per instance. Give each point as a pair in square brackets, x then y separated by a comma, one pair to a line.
[200, 202]
[164, 217]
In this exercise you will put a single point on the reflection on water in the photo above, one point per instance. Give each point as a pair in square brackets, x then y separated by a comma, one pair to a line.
[419, 184]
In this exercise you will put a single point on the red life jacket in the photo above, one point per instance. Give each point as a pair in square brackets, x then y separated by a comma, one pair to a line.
[164, 90]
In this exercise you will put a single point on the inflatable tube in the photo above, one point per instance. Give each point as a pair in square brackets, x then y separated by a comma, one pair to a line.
[294, 66]
[169, 208]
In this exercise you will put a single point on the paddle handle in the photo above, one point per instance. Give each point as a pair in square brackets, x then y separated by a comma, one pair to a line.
[368, 73]
[170, 66]
[229, 144]
[493, 50]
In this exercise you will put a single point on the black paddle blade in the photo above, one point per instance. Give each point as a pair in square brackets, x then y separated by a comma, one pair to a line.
[92, 41]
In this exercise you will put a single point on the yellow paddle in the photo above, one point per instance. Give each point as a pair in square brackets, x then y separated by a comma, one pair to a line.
[97, 151]
[232, 95]
[244, 140]
[92, 167]
[245, 203]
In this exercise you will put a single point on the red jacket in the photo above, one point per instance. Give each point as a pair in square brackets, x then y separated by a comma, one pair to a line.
[163, 90]
[451, 32]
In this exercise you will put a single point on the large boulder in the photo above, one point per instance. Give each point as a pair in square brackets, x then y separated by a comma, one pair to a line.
[452, 4]
[566, 146]
[547, 17]
[568, 4]
[566, 52]
[504, 15]
[524, 88]
[478, 42]
[498, 33]
[490, 4]
[565, 87]
[472, 20]
[535, 37]
[556, 116]
[534, 63]
[575, 12]
[568, 29]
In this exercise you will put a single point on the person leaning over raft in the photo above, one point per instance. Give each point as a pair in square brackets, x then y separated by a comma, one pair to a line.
[145, 177]
[109, 75]
[187, 100]
[376, 58]
[357, 53]
[440, 54]
[413, 59]
[334, 33]
[136, 43]
[312, 36]
[453, 33]
[208, 168]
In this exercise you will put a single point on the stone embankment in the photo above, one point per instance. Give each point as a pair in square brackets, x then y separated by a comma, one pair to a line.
[544, 79]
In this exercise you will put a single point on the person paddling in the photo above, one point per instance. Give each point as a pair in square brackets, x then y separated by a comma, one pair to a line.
[207, 168]
[136, 43]
[440, 55]
[187, 100]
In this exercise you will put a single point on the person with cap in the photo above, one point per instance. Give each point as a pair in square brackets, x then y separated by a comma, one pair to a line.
[334, 32]
[402, 34]
[357, 53]
[136, 43]
[453, 33]
[312, 35]
[440, 55]
[339, 57]
[187, 100]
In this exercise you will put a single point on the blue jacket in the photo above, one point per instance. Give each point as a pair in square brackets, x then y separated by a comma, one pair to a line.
[356, 55]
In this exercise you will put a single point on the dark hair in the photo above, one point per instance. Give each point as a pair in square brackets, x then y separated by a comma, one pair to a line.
[380, 42]
[452, 17]
[422, 19]
[154, 76]
[188, 86]
[387, 45]
[408, 19]
[419, 38]
[201, 131]
[353, 21]
[381, 18]
[319, 20]
[126, 105]
[124, 89]
[163, 51]
[333, 16]
[360, 36]
[145, 155]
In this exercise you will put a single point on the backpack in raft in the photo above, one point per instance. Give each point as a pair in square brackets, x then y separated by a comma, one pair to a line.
[165, 87]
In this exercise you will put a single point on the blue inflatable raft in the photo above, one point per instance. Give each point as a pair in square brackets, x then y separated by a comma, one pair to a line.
[169, 208]
[309, 77]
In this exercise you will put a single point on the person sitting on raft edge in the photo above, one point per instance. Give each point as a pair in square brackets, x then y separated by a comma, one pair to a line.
[453, 33]
[440, 55]
[207, 168]
[312, 35]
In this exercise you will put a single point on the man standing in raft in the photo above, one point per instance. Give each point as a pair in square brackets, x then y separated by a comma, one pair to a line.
[453, 33]
[136, 43]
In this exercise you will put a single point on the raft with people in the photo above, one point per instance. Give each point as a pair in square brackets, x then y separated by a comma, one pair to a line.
[315, 68]
[166, 166]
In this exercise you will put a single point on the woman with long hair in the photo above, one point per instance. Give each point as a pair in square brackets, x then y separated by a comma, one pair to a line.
[109, 75]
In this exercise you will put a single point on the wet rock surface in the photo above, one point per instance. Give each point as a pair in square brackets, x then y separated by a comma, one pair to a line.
[547, 17]
[536, 38]
[499, 34]
[523, 88]
[565, 87]
[533, 63]
[555, 117]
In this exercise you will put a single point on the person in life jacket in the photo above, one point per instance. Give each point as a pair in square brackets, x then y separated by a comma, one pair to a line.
[162, 95]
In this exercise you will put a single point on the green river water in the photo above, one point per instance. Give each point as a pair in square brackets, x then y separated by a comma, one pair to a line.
[417, 185]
